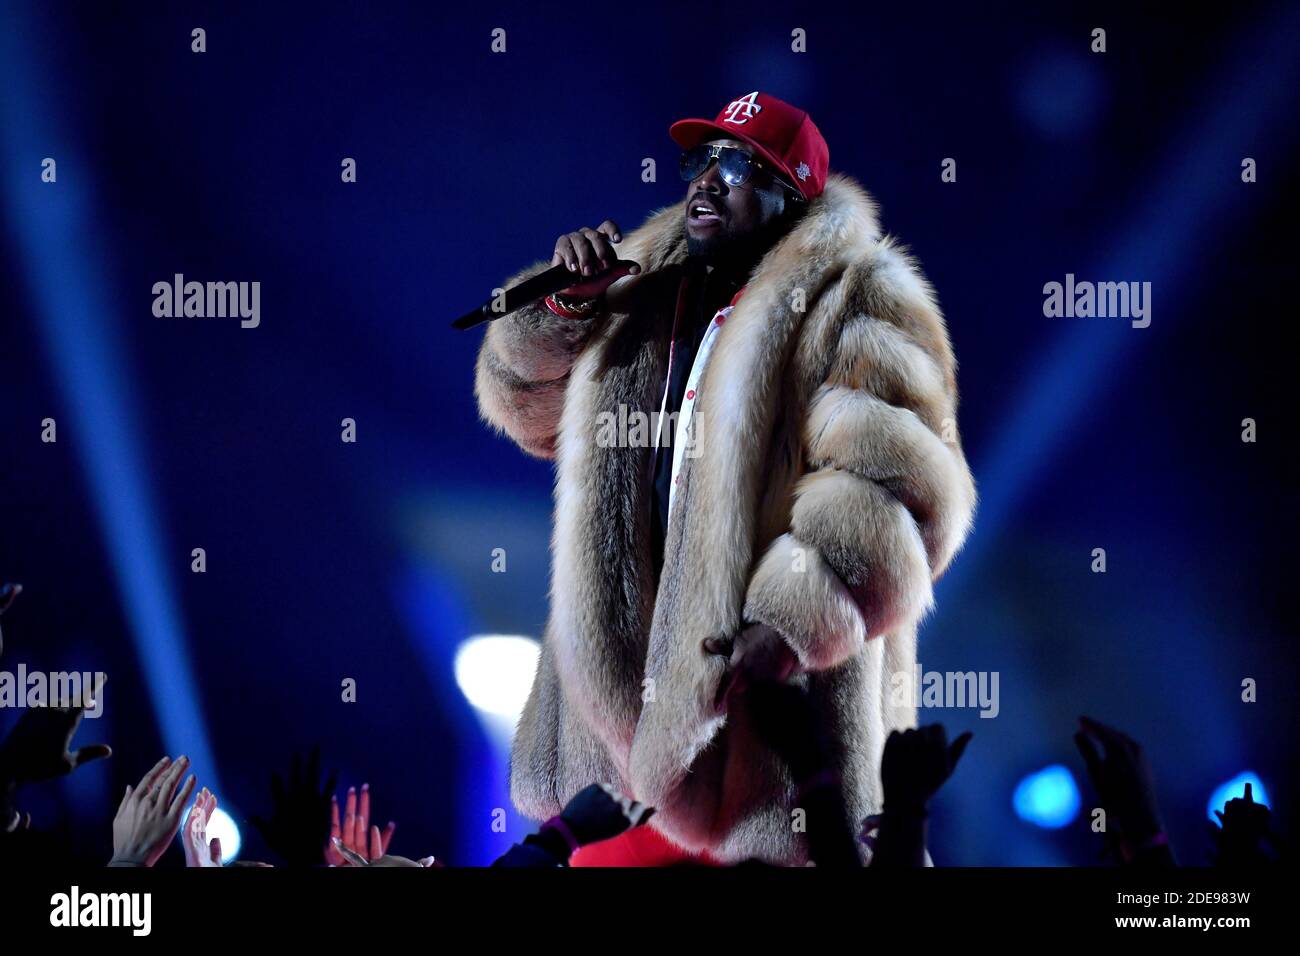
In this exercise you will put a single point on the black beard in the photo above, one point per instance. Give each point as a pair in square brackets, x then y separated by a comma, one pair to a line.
[707, 250]
[736, 254]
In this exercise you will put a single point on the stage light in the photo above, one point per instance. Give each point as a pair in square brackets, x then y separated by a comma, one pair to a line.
[1048, 798]
[1236, 787]
[495, 672]
[222, 826]
[439, 621]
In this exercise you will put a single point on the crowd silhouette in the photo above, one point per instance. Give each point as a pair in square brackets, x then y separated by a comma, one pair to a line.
[306, 826]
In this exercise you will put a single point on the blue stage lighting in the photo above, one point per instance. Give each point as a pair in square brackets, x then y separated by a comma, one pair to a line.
[1061, 92]
[66, 254]
[1048, 798]
[1166, 241]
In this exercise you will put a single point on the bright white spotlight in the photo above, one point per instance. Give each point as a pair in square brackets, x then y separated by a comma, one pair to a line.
[222, 826]
[495, 672]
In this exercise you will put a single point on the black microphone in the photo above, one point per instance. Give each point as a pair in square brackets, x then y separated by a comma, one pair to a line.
[530, 290]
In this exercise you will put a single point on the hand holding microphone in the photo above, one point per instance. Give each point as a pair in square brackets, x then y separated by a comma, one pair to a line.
[585, 253]
[590, 253]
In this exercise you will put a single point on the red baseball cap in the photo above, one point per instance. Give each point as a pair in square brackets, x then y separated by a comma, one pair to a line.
[783, 135]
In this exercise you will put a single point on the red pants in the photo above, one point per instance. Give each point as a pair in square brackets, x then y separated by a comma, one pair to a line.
[640, 846]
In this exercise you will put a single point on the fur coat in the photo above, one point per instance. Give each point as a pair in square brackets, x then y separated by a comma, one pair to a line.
[828, 490]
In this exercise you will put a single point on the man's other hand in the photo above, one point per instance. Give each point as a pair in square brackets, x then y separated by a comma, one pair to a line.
[758, 653]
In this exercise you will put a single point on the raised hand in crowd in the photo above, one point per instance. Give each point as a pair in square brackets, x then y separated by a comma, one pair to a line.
[40, 745]
[40, 748]
[150, 814]
[1122, 778]
[1246, 837]
[199, 851]
[915, 764]
[355, 831]
[298, 828]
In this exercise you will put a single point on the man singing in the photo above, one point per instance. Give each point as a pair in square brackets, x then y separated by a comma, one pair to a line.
[800, 489]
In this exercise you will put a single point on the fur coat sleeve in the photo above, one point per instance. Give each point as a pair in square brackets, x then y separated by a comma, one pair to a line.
[523, 370]
[886, 497]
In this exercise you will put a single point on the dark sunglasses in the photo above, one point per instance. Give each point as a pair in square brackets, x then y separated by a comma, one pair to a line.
[735, 165]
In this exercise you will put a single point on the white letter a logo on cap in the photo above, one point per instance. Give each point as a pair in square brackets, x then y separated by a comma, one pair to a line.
[747, 105]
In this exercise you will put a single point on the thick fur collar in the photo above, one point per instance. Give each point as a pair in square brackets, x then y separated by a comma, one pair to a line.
[844, 218]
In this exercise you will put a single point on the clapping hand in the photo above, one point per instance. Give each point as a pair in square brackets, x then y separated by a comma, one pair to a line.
[150, 814]
[194, 837]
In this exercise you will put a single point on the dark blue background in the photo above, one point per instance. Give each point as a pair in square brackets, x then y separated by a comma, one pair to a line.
[371, 560]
